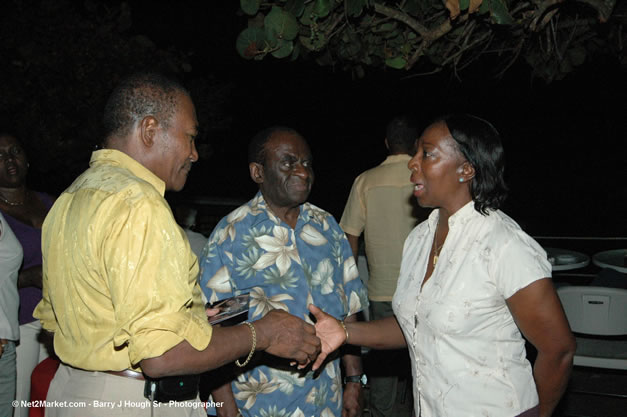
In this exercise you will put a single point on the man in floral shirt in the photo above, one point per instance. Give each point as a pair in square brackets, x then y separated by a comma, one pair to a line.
[286, 253]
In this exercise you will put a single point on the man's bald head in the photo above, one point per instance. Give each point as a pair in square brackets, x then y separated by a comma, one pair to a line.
[139, 96]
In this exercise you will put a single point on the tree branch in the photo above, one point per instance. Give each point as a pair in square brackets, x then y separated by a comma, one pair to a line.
[402, 17]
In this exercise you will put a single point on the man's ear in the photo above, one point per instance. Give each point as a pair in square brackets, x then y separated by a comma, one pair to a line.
[148, 128]
[256, 172]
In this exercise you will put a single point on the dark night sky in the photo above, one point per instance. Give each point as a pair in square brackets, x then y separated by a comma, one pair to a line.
[564, 143]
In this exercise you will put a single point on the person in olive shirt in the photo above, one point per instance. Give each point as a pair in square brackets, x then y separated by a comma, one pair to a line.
[120, 285]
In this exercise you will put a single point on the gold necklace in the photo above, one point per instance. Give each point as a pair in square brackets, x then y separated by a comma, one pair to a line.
[11, 203]
[436, 251]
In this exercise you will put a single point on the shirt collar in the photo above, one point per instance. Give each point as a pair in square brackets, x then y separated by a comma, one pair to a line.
[305, 214]
[117, 158]
[461, 216]
[391, 159]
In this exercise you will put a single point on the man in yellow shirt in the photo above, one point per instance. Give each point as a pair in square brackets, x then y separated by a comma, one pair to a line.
[120, 285]
[381, 205]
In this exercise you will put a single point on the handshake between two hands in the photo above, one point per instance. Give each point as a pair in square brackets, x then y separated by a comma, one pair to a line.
[292, 338]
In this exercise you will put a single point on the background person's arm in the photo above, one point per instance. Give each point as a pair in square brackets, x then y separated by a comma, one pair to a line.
[224, 394]
[538, 313]
[353, 241]
[31, 277]
[352, 395]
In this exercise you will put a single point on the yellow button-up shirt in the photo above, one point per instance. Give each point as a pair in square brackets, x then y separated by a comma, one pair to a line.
[119, 278]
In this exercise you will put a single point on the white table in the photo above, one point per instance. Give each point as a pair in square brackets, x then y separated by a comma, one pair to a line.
[614, 259]
[565, 260]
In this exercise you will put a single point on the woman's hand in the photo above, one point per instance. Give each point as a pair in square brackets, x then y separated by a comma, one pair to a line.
[2, 343]
[330, 332]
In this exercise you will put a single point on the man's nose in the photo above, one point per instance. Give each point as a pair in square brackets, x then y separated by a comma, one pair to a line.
[301, 170]
[194, 156]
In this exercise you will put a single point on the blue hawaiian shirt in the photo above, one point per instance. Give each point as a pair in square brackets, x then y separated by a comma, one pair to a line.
[253, 251]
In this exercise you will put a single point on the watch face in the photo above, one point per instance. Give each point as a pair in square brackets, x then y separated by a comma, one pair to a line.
[360, 379]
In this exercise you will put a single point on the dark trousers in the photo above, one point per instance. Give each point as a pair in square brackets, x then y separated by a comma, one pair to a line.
[389, 374]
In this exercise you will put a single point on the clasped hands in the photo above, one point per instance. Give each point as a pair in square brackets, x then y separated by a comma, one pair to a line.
[287, 336]
[330, 333]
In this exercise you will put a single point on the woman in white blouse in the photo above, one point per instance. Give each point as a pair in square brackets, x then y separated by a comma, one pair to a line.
[470, 282]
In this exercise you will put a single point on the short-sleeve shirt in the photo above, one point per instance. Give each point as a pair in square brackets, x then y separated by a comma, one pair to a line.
[119, 277]
[253, 251]
[468, 356]
[380, 204]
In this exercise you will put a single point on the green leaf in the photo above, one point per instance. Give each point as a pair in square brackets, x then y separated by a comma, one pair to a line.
[295, 52]
[308, 15]
[271, 37]
[397, 62]
[322, 8]
[392, 34]
[250, 7]
[386, 27]
[412, 7]
[314, 43]
[355, 7]
[359, 72]
[249, 42]
[285, 49]
[499, 13]
[463, 4]
[349, 50]
[485, 7]
[282, 22]
[295, 7]
[577, 55]
[325, 59]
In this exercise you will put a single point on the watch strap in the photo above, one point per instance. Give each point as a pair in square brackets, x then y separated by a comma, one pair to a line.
[359, 379]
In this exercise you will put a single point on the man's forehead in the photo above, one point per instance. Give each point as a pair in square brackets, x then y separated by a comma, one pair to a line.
[286, 142]
[186, 111]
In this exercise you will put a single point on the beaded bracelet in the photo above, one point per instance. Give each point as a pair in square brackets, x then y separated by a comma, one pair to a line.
[345, 330]
[252, 349]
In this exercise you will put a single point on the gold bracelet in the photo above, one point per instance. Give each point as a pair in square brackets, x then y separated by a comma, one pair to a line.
[252, 349]
[345, 329]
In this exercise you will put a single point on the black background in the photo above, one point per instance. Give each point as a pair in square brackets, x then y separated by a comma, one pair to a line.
[564, 142]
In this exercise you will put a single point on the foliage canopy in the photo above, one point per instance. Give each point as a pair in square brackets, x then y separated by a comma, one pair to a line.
[426, 36]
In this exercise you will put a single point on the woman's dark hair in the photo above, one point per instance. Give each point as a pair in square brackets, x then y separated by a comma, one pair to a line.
[480, 143]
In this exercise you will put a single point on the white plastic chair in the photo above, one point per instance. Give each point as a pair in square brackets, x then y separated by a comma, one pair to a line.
[597, 311]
